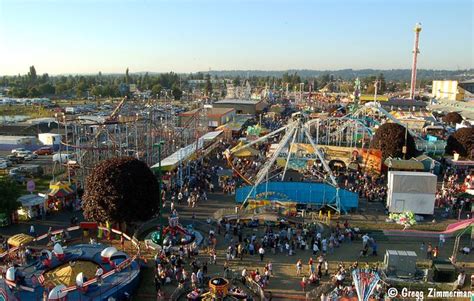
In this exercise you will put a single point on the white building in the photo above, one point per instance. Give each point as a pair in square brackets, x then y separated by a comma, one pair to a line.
[49, 138]
[411, 191]
[453, 90]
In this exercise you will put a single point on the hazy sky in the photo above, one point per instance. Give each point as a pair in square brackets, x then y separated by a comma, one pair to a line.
[86, 36]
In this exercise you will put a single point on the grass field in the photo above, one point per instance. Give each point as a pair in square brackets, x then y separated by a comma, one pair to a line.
[32, 111]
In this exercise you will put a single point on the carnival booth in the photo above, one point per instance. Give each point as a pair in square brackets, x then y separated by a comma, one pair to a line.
[31, 206]
[61, 194]
[19, 239]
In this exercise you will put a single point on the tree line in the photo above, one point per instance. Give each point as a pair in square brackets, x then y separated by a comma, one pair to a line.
[111, 85]
[98, 85]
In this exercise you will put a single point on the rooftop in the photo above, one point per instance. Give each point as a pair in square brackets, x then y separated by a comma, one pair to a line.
[239, 101]
[213, 112]
[405, 102]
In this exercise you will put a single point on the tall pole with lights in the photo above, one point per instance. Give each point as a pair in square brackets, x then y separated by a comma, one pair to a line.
[417, 30]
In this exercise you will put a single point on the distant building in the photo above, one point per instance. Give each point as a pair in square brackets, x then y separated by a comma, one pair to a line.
[453, 90]
[404, 104]
[242, 106]
[215, 116]
[371, 97]
[8, 143]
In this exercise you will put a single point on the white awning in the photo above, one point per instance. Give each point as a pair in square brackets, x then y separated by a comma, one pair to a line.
[184, 153]
[211, 135]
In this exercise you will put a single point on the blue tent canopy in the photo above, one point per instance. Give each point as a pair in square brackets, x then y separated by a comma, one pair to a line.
[300, 192]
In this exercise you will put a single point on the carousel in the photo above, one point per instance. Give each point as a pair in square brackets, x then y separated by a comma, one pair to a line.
[60, 272]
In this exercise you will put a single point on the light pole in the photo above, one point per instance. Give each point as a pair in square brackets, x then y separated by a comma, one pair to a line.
[159, 144]
[59, 146]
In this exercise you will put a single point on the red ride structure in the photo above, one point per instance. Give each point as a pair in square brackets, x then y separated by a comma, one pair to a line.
[417, 30]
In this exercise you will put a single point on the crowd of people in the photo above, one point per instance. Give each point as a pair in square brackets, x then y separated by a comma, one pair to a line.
[449, 195]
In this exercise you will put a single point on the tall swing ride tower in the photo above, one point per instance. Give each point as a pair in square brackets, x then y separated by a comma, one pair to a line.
[417, 30]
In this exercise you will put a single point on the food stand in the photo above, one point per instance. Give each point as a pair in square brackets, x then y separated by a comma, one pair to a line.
[31, 206]
[61, 194]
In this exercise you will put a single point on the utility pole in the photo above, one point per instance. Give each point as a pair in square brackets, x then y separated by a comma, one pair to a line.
[159, 144]
[376, 85]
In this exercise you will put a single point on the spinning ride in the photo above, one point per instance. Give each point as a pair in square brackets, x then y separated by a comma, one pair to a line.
[174, 234]
[82, 271]
[296, 131]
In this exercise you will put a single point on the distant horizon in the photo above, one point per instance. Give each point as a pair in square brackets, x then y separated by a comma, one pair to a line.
[235, 70]
[187, 36]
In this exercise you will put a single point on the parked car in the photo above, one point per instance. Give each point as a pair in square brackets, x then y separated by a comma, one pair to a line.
[23, 153]
[30, 157]
[16, 150]
[61, 158]
[6, 161]
[14, 171]
[44, 151]
[3, 165]
[30, 170]
[15, 159]
[20, 179]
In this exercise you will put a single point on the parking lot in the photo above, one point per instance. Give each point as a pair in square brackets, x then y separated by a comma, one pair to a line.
[38, 169]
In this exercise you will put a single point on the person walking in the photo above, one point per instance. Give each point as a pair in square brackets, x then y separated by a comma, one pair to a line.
[429, 251]
[261, 252]
[315, 248]
[244, 276]
[32, 231]
[442, 240]
[299, 267]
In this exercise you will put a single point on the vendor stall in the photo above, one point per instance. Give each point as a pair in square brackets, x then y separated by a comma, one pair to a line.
[19, 239]
[31, 206]
[61, 194]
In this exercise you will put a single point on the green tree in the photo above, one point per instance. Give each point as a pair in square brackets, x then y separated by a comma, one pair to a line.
[127, 77]
[177, 93]
[46, 89]
[156, 90]
[33, 92]
[146, 82]
[236, 81]
[32, 74]
[10, 192]
[382, 85]
[17, 92]
[97, 91]
[61, 88]
[208, 86]
[80, 89]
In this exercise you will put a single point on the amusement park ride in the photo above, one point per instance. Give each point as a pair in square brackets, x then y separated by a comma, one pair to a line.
[297, 130]
[93, 139]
